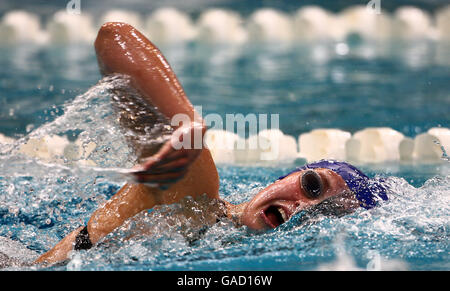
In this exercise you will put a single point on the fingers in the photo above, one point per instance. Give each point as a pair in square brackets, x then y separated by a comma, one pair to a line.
[165, 168]
[169, 164]
[163, 173]
[171, 167]
[160, 180]
[169, 158]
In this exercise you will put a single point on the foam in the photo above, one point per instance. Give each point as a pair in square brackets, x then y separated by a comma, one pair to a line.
[58, 149]
[79, 150]
[346, 262]
[47, 148]
[16, 250]
[323, 144]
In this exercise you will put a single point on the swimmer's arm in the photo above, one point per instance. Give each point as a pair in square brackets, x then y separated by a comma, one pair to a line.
[120, 48]
[170, 164]
[60, 252]
[129, 201]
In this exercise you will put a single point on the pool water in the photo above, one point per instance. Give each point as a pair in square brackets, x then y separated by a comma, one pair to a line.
[402, 85]
[51, 90]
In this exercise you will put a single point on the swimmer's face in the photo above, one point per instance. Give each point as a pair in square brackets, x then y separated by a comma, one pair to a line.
[299, 191]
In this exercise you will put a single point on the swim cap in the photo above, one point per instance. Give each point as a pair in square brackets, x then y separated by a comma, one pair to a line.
[367, 191]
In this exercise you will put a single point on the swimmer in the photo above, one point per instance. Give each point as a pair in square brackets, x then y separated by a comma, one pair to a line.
[167, 175]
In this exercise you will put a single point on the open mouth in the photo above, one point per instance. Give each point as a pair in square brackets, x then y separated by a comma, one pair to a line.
[274, 216]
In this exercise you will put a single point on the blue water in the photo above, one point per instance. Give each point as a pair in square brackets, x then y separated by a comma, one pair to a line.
[410, 230]
[403, 86]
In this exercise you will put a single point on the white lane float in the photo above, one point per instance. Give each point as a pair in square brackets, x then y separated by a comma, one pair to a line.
[443, 23]
[129, 17]
[222, 145]
[169, 25]
[19, 26]
[269, 146]
[6, 140]
[430, 146]
[277, 146]
[370, 145]
[374, 145]
[221, 26]
[366, 23]
[412, 23]
[323, 144]
[270, 25]
[71, 28]
[406, 149]
[313, 23]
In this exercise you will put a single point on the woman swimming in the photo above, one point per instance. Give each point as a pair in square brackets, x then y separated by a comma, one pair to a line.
[168, 174]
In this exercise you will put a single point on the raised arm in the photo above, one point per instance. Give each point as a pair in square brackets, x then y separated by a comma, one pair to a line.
[122, 49]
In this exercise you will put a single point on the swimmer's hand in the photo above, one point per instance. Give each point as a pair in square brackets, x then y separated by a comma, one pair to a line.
[172, 161]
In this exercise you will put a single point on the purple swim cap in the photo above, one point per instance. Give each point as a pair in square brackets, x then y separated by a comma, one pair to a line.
[367, 191]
